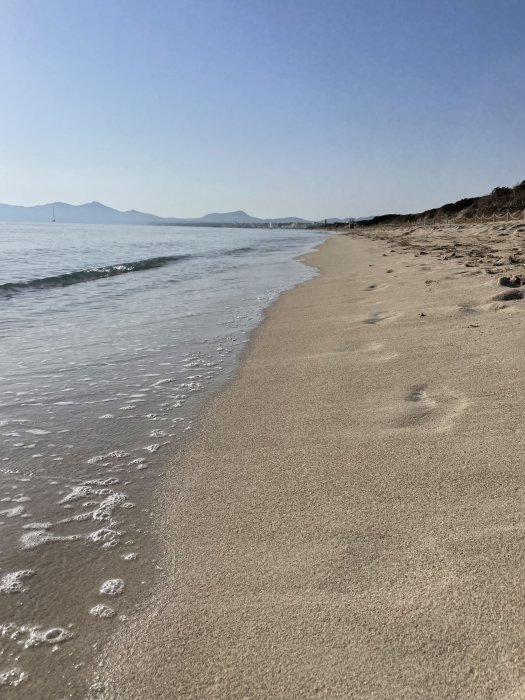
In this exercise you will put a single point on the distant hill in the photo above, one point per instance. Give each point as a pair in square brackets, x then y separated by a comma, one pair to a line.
[241, 217]
[92, 213]
[97, 213]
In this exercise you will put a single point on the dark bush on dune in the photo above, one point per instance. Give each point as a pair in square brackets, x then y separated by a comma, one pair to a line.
[499, 201]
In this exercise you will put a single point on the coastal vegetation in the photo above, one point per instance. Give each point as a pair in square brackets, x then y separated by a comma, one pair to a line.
[500, 201]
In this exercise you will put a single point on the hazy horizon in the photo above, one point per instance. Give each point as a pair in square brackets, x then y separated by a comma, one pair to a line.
[313, 109]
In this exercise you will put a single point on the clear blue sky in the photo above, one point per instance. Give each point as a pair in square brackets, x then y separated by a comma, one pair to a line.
[311, 108]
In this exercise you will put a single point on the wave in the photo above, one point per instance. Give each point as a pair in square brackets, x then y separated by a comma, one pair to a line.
[237, 251]
[95, 273]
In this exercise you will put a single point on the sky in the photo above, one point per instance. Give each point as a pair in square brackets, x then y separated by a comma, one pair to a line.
[312, 108]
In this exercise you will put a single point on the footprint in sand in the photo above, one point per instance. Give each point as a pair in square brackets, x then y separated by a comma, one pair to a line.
[429, 410]
[376, 287]
[380, 317]
[468, 308]
[375, 352]
[509, 300]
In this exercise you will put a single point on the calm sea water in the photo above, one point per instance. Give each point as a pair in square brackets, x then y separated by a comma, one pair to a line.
[112, 337]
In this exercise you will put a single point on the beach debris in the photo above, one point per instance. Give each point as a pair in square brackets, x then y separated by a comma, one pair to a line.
[515, 281]
[422, 314]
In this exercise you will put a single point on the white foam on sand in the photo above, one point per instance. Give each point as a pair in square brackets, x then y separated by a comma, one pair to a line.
[12, 677]
[106, 507]
[152, 448]
[106, 536]
[95, 507]
[28, 635]
[13, 582]
[35, 538]
[112, 587]
[12, 512]
[37, 636]
[158, 433]
[129, 557]
[37, 526]
[103, 611]
[110, 481]
[84, 491]
[116, 454]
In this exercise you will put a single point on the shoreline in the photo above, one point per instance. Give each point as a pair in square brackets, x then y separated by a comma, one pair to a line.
[339, 526]
[90, 422]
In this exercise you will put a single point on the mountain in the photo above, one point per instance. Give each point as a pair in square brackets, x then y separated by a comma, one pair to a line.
[92, 213]
[229, 217]
[241, 217]
[97, 213]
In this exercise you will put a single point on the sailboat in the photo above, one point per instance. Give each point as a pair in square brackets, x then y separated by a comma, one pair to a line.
[53, 219]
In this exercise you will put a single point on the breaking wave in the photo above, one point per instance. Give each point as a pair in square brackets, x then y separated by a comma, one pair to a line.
[68, 278]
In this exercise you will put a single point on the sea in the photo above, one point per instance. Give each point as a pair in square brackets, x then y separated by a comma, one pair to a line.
[112, 339]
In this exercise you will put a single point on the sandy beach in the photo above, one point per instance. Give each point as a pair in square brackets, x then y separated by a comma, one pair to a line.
[349, 520]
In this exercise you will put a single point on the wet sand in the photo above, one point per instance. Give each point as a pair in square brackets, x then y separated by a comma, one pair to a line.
[349, 521]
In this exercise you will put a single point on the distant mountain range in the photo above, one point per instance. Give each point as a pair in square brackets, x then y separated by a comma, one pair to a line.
[97, 213]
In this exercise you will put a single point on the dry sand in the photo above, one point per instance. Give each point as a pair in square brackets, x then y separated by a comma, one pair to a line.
[349, 521]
